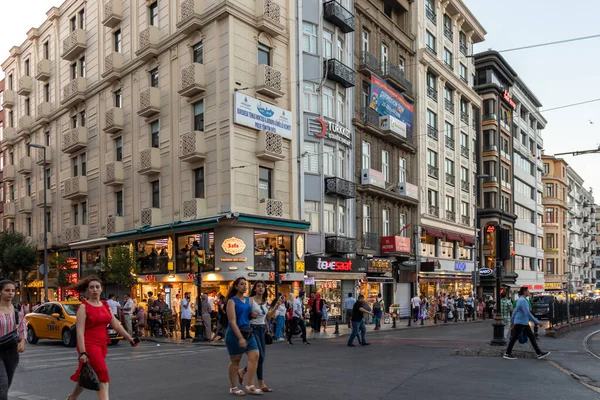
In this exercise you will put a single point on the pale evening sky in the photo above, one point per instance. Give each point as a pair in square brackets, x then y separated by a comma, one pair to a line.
[558, 75]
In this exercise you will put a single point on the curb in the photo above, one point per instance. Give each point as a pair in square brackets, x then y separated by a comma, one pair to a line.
[586, 345]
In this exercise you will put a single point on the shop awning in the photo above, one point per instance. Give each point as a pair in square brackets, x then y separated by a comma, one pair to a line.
[166, 228]
[280, 222]
[433, 232]
[468, 240]
[512, 286]
[87, 243]
[453, 236]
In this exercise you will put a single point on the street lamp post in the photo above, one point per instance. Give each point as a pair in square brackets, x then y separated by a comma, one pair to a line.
[43, 148]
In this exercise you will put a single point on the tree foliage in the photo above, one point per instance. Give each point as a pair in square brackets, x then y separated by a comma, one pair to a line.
[64, 269]
[17, 256]
[120, 265]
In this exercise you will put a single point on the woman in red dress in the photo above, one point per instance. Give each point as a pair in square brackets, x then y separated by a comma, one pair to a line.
[92, 338]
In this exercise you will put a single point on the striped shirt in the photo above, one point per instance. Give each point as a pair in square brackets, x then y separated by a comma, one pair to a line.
[7, 325]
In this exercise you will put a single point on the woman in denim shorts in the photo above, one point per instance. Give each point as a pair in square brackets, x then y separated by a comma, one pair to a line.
[239, 338]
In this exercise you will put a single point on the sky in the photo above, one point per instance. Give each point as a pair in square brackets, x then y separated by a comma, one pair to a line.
[558, 75]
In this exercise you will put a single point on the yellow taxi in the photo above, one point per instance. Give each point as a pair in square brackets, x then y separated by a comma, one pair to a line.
[56, 320]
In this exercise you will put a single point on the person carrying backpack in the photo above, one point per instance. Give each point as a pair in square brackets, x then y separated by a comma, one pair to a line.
[378, 311]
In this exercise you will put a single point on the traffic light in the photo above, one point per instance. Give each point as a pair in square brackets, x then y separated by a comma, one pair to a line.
[503, 244]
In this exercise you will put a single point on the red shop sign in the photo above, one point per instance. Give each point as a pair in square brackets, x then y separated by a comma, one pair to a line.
[150, 278]
[395, 244]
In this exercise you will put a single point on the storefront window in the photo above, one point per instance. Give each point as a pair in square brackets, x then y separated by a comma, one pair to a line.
[153, 255]
[331, 292]
[194, 250]
[272, 251]
[432, 287]
[90, 262]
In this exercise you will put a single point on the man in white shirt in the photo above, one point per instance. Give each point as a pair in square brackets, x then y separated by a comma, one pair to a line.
[415, 303]
[186, 316]
[469, 303]
[176, 307]
[114, 306]
[298, 318]
[348, 306]
[127, 311]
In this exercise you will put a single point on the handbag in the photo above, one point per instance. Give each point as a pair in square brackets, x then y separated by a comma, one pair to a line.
[11, 337]
[246, 332]
[522, 338]
[268, 338]
[88, 378]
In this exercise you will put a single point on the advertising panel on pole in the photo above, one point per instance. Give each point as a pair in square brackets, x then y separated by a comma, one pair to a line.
[387, 101]
[372, 177]
[392, 124]
[409, 190]
[260, 115]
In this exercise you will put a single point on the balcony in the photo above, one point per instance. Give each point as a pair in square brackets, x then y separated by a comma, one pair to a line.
[395, 75]
[505, 125]
[450, 179]
[76, 233]
[40, 198]
[8, 99]
[113, 13]
[432, 93]
[44, 112]
[75, 188]
[449, 33]
[339, 72]
[371, 241]
[113, 66]
[268, 81]
[431, 15]
[74, 92]
[74, 45]
[114, 224]
[489, 117]
[25, 124]
[268, 14]
[40, 156]
[113, 121]
[25, 165]
[465, 220]
[463, 48]
[10, 210]
[340, 187]
[433, 210]
[335, 13]
[25, 205]
[24, 86]
[193, 80]
[151, 217]
[449, 142]
[149, 40]
[432, 132]
[149, 102]
[149, 161]
[340, 244]
[9, 173]
[270, 207]
[114, 173]
[449, 106]
[194, 209]
[464, 151]
[10, 135]
[464, 117]
[269, 146]
[432, 171]
[450, 215]
[464, 185]
[74, 139]
[368, 63]
[192, 147]
[490, 179]
[49, 242]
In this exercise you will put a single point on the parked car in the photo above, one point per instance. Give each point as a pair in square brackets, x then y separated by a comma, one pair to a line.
[56, 320]
[540, 306]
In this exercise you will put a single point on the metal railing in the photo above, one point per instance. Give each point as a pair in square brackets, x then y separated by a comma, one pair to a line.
[449, 142]
[432, 132]
[463, 48]
[578, 310]
[450, 179]
[448, 33]
[464, 185]
[464, 151]
[464, 117]
[433, 171]
[449, 105]
[431, 15]
[450, 215]
[432, 93]
[434, 210]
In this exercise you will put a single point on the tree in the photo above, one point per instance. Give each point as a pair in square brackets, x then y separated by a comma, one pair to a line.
[64, 269]
[17, 256]
[120, 265]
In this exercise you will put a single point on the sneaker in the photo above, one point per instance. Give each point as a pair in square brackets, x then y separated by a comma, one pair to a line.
[281, 339]
[365, 344]
[543, 355]
[351, 345]
[509, 357]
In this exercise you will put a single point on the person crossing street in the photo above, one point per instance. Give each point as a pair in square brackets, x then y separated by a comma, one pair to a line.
[358, 322]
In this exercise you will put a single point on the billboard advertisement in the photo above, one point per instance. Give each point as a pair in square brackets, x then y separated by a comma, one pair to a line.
[260, 115]
[387, 101]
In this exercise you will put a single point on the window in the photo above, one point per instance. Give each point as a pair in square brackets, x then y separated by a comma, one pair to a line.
[198, 53]
[82, 118]
[155, 193]
[550, 240]
[524, 189]
[523, 238]
[49, 221]
[82, 18]
[489, 138]
[46, 50]
[448, 58]
[84, 213]
[449, 99]
[199, 183]
[153, 14]
[117, 40]
[10, 82]
[463, 72]
[264, 54]
[311, 157]
[385, 219]
[27, 69]
[449, 134]
[366, 155]
[401, 170]
[328, 160]
[550, 266]
[82, 67]
[75, 166]
[450, 204]
[154, 134]
[462, 39]
[119, 148]
[328, 108]
[464, 143]
[329, 218]
[309, 37]
[27, 186]
[311, 99]
[489, 200]
[430, 41]
[264, 182]
[311, 214]
[549, 215]
[385, 165]
[402, 225]
[154, 78]
[341, 102]
[448, 27]
[449, 167]
[365, 41]
[47, 93]
[367, 218]
[387, 9]
[75, 214]
[327, 45]
[431, 120]
[384, 58]
[119, 202]
[340, 50]
[342, 220]
[74, 71]
[118, 98]
[524, 214]
[199, 115]
[73, 23]
[505, 203]
[47, 138]
[546, 168]
[432, 158]
[464, 209]
[83, 159]
[431, 81]
[432, 198]
[29, 227]
[341, 164]
[464, 178]
[489, 168]
[27, 106]
[549, 190]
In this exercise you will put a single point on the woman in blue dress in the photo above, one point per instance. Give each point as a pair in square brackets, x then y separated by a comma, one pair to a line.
[239, 338]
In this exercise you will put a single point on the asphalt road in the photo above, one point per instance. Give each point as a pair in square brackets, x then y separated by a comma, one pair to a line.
[409, 364]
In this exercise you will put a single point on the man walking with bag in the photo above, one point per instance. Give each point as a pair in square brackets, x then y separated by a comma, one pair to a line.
[358, 322]
[378, 311]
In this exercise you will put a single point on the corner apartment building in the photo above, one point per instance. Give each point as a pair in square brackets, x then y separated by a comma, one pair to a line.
[527, 126]
[596, 253]
[448, 114]
[554, 222]
[580, 203]
[2, 185]
[167, 128]
[386, 172]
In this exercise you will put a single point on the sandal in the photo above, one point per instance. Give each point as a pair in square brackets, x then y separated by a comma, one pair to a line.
[236, 391]
[266, 389]
[253, 390]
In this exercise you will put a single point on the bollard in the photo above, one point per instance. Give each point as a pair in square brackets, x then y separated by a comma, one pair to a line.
[337, 327]
[394, 322]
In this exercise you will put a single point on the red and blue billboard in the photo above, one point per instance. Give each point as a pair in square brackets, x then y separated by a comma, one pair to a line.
[387, 101]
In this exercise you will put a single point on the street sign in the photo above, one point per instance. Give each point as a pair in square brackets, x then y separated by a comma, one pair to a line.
[485, 271]
[42, 269]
